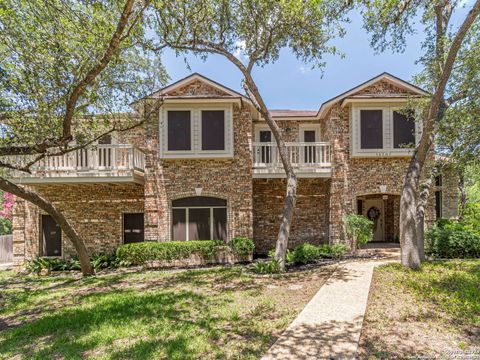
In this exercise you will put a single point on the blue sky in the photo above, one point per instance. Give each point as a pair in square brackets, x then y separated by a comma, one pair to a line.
[291, 84]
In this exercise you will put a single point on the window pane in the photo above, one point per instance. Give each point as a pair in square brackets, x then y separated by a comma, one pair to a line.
[309, 136]
[179, 130]
[213, 130]
[371, 128]
[403, 131]
[220, 224]
[265, 136]
[199, 224]
[179, 225]
[199, 201]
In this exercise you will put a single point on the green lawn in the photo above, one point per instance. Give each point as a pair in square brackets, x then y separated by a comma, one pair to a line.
[204, 313]
[433, 311]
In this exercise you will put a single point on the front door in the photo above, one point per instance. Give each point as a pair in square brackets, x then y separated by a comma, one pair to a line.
[375, 212]
[51, 237]
[133, 228]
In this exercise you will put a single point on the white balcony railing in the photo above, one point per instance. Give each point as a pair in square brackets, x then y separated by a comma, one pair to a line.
[304, 156]
[107, 161]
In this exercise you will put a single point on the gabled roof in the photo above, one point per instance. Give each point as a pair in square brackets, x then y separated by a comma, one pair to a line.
[191, 78]
[382, 77]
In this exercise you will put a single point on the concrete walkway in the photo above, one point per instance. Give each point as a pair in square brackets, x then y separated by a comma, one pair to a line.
[329, 326]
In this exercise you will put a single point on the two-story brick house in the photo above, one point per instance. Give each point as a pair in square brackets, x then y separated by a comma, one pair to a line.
[204, 166]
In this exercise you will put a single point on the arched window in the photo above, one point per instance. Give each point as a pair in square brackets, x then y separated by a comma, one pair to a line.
[199, 218]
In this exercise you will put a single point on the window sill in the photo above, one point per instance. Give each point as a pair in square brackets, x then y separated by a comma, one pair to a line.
[382, 153]
[196, 155]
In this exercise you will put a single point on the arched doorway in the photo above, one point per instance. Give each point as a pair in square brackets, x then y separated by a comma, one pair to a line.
[384, 211]
[199, 218]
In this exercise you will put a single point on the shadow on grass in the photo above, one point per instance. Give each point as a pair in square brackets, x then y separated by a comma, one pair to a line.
[72, 332]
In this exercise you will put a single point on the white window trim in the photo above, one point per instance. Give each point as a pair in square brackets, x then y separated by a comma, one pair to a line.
[308, 127]
[262, 127]
[196, 132]
[387, 115]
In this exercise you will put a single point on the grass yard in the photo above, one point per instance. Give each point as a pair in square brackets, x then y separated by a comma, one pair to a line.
[204, 313]
[434, 311]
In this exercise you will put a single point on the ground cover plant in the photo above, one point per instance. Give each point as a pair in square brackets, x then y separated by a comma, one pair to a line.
[209, 313]
[429, 312]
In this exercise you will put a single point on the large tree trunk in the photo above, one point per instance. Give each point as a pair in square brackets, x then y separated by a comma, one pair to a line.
[291, 193]
[409, 201]
[66, 227]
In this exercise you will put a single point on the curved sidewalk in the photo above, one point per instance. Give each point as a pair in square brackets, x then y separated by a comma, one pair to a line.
[329, 326]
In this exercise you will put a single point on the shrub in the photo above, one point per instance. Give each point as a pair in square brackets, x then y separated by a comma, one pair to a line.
[52, 264]
[451, 239]
[359, 229]
[305, 253]
[139, 253]
[104, 261]
[335, 251]
[242, 246]
[268, 267]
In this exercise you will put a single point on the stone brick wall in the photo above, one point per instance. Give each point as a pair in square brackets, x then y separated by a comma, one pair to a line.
[310, 222]
[352, 177]
[95, 210]
[230, 178]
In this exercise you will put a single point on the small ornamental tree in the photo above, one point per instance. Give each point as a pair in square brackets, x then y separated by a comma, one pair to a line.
[359, 229]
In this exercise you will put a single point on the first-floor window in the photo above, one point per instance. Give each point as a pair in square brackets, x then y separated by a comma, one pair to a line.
[199, 218]
[51, 237]
[371, 129]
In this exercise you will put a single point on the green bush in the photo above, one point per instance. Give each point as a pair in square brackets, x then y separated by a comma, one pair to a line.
[52, 264]
[5, 226]
[104, 261]
[452, 239]
[307, 253]
[242, 246]
[139, 253]
[268, 267]
[335, 251]
[359, 229]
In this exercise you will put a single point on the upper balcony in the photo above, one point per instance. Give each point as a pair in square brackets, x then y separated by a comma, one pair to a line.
[95, 164]
[309, 159]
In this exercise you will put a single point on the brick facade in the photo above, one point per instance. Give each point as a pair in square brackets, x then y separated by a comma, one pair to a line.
[95, 210]
[254, 206]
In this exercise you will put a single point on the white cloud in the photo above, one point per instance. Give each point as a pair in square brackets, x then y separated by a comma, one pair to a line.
[303, 69]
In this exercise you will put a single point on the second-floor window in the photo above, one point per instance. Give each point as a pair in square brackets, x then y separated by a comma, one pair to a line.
[196, 131]
[179, 130]
[383, 130]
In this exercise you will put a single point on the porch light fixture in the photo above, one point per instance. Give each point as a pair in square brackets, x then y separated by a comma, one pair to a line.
[383, 188]
[198, 191]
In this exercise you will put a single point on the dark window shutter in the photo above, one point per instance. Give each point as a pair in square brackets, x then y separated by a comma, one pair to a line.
[213, 130]
[403, 131]
[371, 129]
[179, 126]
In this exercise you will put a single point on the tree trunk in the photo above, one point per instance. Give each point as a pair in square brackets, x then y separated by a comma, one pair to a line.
[408, 216]
[291, 194]
[66, 227]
